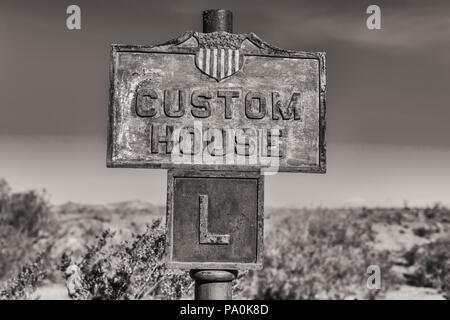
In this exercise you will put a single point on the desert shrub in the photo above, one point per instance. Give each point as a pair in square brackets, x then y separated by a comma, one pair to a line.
[25, 219]
[432, 265]
[131, 269]
[389, 216]
[29, 212]
[437, 212]
[425, 231]
[13, 249]
[23, 285]
[5, 191]
[318, 255]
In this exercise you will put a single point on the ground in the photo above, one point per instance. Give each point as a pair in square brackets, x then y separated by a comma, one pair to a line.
[396, 231]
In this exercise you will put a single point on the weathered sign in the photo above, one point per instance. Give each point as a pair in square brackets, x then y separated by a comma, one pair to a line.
[214, 220]
[217, 101]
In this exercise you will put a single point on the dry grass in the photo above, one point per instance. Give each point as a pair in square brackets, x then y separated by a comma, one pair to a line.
[309, 254]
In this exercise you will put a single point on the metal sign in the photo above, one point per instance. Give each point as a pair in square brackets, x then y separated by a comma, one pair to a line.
[214, 220]
[218, 109]
[217, 101]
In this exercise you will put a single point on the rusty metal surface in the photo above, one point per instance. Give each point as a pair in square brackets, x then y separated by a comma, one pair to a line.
[234, 223]
[229, 82]
[213, 284]
[207, 237]
[217, 20]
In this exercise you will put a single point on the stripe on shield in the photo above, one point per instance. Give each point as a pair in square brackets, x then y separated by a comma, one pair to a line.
[218, 63]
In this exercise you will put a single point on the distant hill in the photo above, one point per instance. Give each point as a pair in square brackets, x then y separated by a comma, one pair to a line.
[132, 207]
[80, 223]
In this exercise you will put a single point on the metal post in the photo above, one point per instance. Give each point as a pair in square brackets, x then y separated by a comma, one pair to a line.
[215, 284]
[217, 20]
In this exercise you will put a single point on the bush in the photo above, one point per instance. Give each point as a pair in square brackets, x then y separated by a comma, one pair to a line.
[25, 219]
[437, 212]
[5, 192]
[432, 265]
[22, 286]
[30, 212]
[318, 255]
[128, 270]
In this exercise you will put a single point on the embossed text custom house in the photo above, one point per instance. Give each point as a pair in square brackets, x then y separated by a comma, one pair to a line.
[217, 101]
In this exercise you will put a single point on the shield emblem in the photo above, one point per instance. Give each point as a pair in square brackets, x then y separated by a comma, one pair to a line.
[219, 63]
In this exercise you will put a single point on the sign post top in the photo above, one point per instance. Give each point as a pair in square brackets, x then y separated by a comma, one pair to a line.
[217, 20]
[217, 101]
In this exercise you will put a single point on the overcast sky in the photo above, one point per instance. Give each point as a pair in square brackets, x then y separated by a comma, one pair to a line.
[388, 94]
